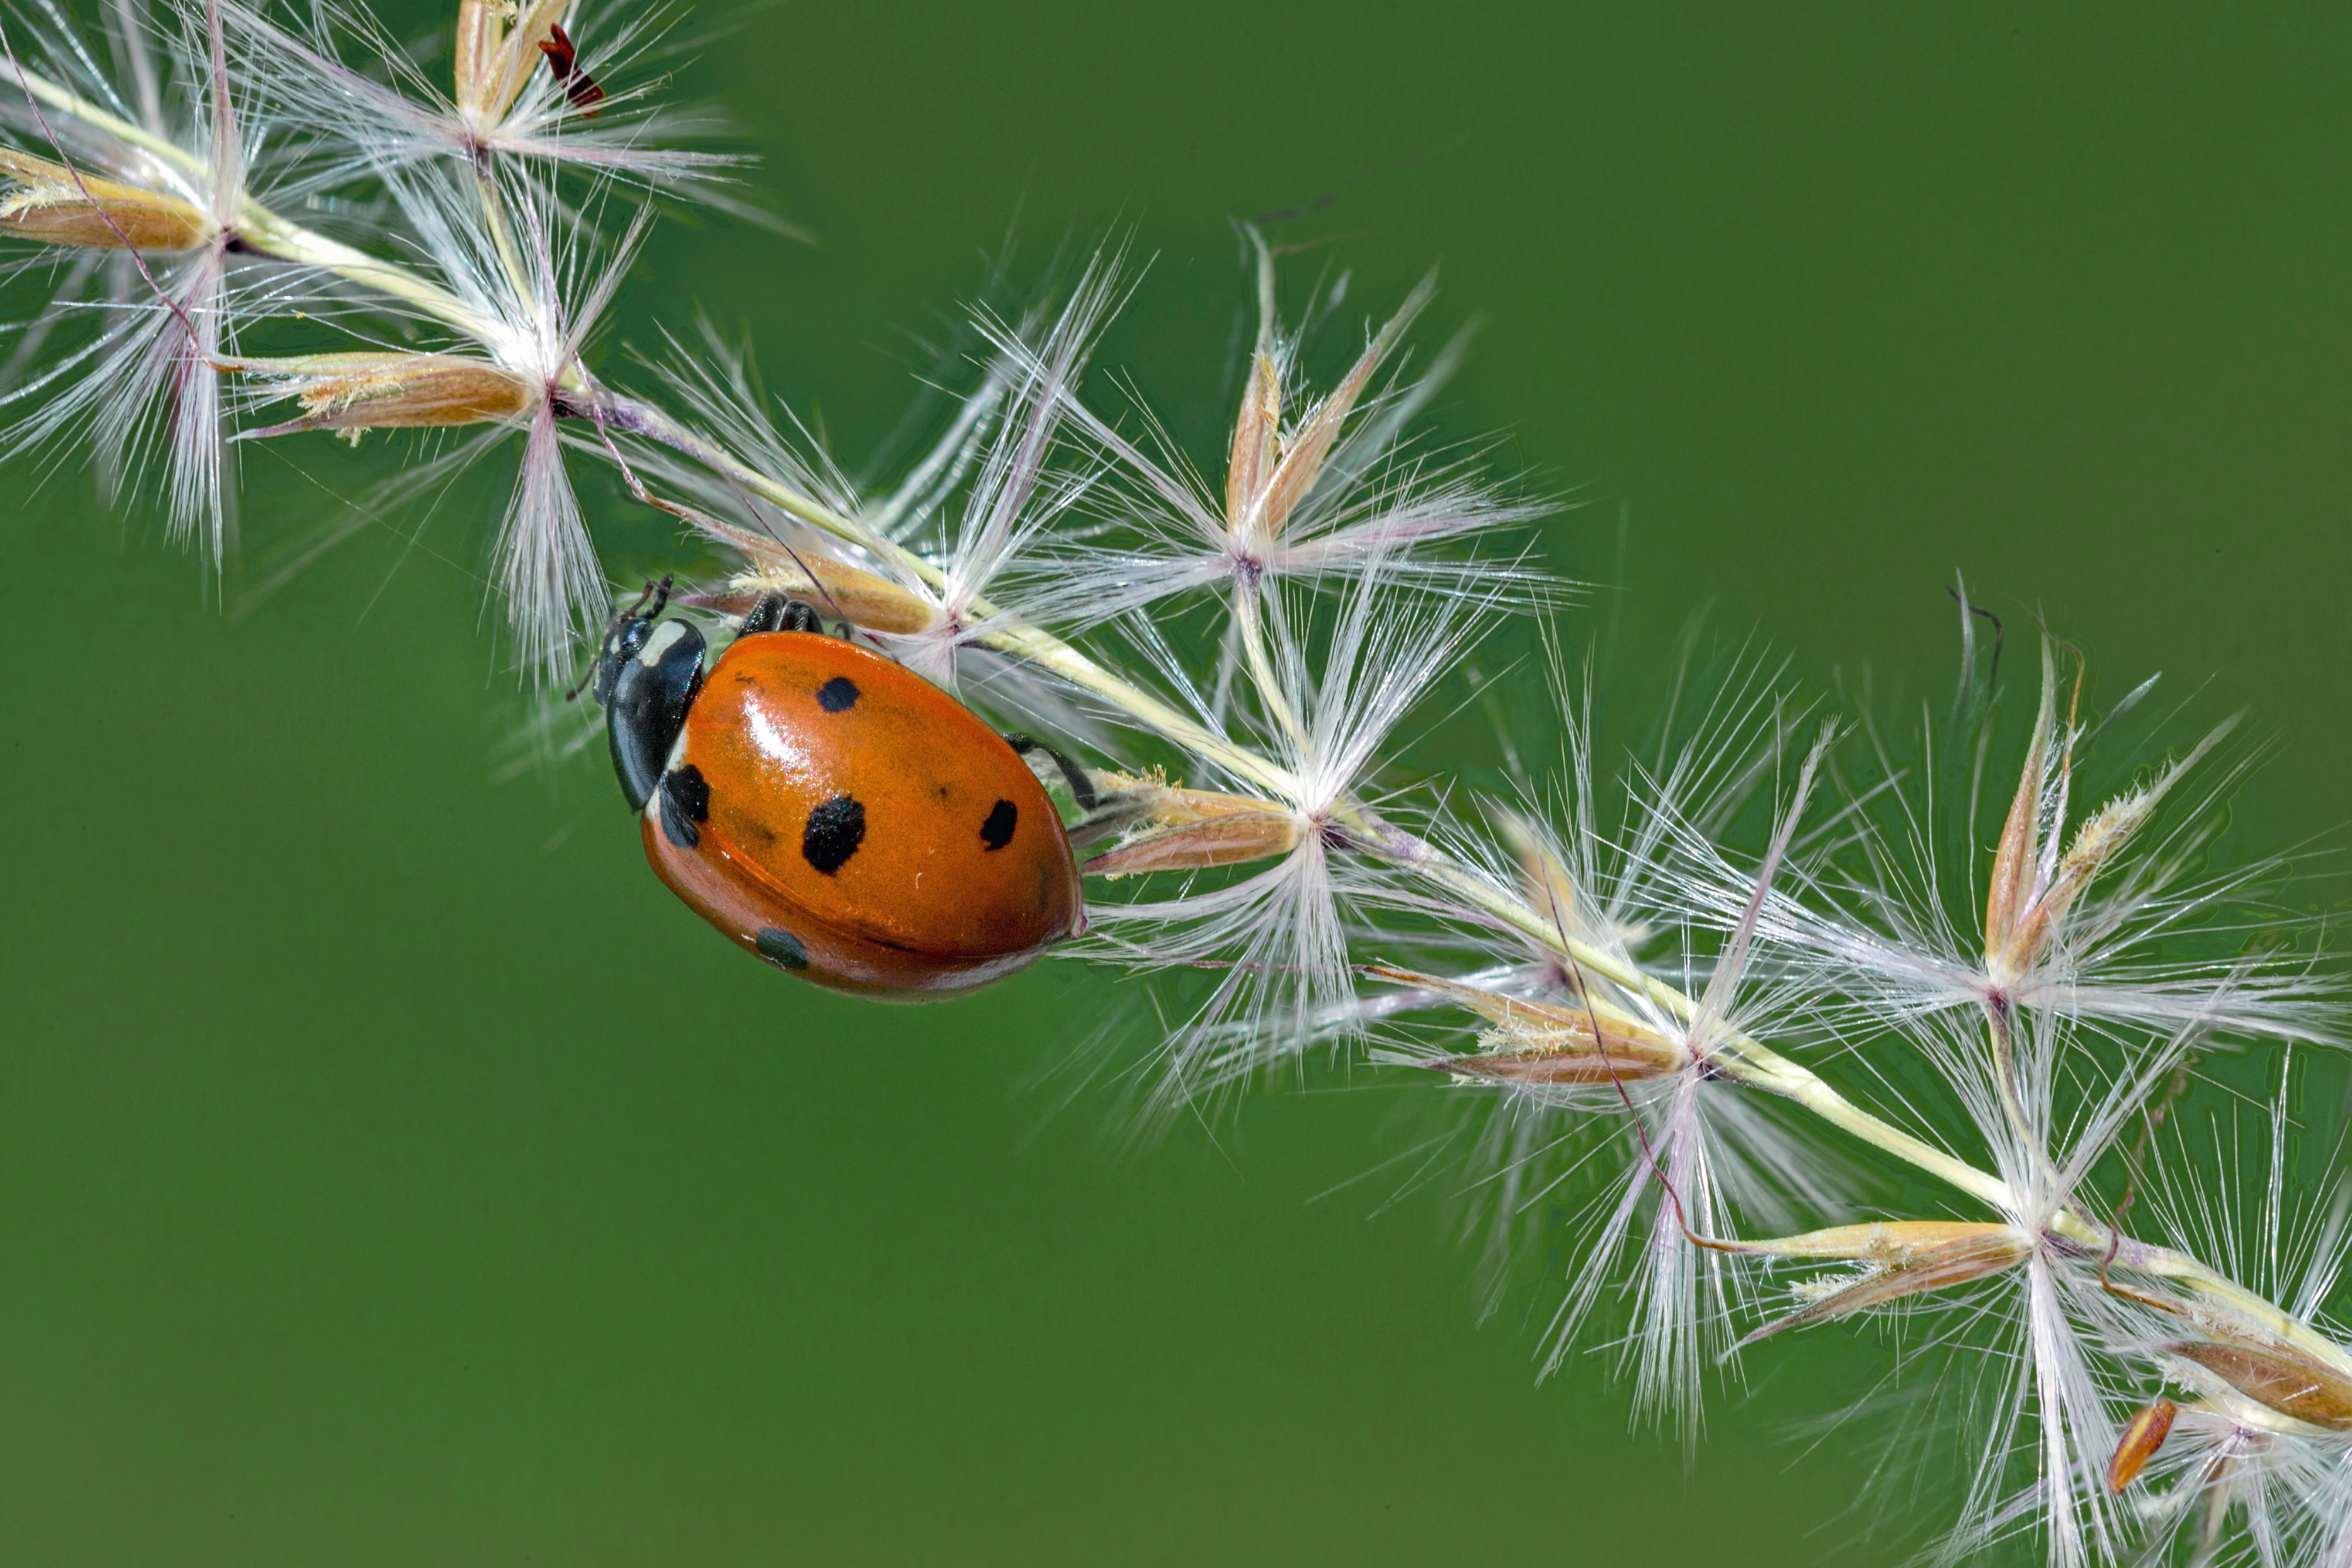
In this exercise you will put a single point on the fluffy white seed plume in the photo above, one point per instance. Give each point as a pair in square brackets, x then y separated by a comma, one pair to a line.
[1588, 872]
[2051, 1102]
[1279, 938]
[1595, 1075]
[929, 567]
[536, 293]
[1018, 491]
[160, 180]
[2245, 1452]
[717, 383]
[534, 85]
[2100, 928]
[1706, 1146]
[1321, 490]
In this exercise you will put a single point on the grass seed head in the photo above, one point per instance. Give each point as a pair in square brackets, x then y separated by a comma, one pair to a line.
[1555, 1043]
[2277, 1378]
[837, 589]
[1192, 829]
[351, 392]
[54, 205]
[1899, 1258]
[2143, 1434]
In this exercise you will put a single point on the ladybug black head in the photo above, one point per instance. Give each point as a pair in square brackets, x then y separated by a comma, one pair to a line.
[646, 676]
[625, 634]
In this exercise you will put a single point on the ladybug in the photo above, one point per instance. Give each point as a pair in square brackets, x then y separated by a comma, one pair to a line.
[831, 811]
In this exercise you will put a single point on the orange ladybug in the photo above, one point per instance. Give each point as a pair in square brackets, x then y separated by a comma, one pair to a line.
[832, 812]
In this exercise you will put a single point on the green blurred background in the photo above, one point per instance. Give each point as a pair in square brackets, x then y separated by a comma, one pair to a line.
[390, 1172]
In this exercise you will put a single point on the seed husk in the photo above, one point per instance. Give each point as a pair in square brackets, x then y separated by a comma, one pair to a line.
[836, 588]
[1189, 829]
[350, 392]
[2143, 1434]
[1564, 1043]
[2276, 1378]
[1901, 1258]
[55, 206]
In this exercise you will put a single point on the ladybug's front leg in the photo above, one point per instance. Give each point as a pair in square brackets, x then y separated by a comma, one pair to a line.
[1081, 782]
[775, 613]
[1104, 809]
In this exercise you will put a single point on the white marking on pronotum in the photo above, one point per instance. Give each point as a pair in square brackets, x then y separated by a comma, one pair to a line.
[675, 760]
[658, 643]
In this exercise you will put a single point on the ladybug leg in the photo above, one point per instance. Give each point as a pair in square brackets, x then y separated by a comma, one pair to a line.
[1113, 813]
[1101, 814]
[1081, 782]
[775, 613]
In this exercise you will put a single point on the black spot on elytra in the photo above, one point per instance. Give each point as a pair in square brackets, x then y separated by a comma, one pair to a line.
[834, 830]
[997, 831]
[685, 801]
[780, 948]
[837, 695]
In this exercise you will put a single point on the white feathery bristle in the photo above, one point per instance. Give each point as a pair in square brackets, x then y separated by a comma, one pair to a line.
[141, 390]
[538, 292]
[355, 101]
[1675, 997]
[1341, 497]
[1019, 491]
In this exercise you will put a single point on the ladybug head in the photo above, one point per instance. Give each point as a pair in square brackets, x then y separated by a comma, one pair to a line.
[646, 676]
[624, 637]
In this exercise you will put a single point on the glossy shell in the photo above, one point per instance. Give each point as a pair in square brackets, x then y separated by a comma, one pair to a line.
[848, 821]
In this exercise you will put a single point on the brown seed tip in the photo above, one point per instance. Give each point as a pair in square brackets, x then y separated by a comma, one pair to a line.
[54, 205]
[1192, 831]
[2277, 1378]
[348, 392]
[839, 591]
[497, 47]
[2143, 1434]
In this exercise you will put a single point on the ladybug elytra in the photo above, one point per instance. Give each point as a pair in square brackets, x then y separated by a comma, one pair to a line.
[832, 812]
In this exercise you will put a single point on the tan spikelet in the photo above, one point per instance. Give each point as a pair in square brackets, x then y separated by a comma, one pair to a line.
[1189, 829]
[1899, 1258]
[1550, 889]
[2277, 1378]
[2019, 852]
[497, 48]
[1255, 434]
[1301, 463]
[348, 392]
[1535, 1042]
[2029, 899]
[55, 205]
[839, 591]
